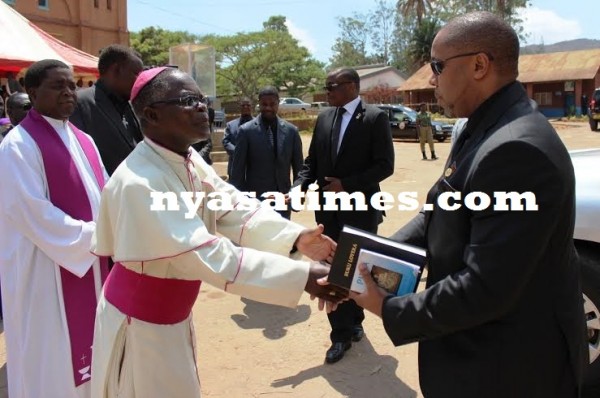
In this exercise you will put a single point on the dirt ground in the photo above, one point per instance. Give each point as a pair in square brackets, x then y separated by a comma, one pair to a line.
[249, 349]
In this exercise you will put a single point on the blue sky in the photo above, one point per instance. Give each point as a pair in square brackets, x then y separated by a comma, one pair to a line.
[314, 23]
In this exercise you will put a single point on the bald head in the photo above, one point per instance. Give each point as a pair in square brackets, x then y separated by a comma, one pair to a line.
[484, 32]
[17, 106]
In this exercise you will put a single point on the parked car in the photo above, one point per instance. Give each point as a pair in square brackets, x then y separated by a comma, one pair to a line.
[319, 106]
[587, 242]
[594, 110]
[290, 104]
[403, 121]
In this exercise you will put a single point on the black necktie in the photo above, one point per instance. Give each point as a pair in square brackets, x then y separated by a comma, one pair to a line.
[335, 132]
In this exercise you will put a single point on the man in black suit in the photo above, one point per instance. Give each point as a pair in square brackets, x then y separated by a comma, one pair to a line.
[351, 151]
[502, 313]
[232, 130]
[267, 149]
[103, 110]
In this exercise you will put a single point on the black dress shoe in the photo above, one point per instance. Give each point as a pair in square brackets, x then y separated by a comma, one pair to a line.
[357, 333]
[336, 351]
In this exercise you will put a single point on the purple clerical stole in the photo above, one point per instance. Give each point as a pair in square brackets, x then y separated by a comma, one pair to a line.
[67, 192]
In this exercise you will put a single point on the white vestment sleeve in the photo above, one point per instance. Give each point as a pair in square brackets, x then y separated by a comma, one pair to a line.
[25, 203]
[261, 228]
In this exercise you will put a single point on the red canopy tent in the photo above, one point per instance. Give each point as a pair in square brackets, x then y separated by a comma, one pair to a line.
[22, 43]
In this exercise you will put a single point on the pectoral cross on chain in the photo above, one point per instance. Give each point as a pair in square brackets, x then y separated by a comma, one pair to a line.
[124, 121]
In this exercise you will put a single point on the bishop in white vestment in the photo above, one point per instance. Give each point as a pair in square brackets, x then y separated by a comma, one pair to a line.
[144, 341]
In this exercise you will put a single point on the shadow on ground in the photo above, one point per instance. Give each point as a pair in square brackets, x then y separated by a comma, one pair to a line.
[375, 378]
[272, 318]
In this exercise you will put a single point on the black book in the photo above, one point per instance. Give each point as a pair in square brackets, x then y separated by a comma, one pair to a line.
[396, 267]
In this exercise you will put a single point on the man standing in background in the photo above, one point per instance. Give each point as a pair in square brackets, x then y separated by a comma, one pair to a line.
[103, 110]
[268, 149]
[351, 151]
[425, 131]
[232, 130]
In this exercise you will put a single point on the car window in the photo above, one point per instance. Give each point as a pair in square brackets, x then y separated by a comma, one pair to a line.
[597, 96]
[397, 116]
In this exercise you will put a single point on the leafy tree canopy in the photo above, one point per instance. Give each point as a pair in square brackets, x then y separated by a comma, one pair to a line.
[246, 61]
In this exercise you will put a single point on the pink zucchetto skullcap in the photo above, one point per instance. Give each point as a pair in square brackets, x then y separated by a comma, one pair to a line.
[144, 78]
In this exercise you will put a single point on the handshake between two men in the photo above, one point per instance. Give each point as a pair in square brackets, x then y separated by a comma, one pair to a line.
[321, 249]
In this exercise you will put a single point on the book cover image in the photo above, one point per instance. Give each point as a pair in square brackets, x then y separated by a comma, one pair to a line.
[393, 275]
[354, 243]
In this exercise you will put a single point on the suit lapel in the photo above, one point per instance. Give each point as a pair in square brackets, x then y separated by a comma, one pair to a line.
[111, 114]
[281, 133]
[328, 120]
[353, 127]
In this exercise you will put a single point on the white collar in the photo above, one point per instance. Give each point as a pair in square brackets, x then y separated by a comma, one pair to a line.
[56, 123]
[167, 153]
[351, 106]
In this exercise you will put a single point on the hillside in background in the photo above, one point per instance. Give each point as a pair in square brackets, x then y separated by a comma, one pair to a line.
[570, 45]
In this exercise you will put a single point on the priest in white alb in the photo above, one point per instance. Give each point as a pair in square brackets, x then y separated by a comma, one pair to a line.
[49, 197]
[144, 339]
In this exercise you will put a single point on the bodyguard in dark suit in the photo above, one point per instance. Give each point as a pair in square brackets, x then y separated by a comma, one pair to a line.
[267, 149]
[232, 130]
[103, 110]
[351, 151]
[502, 313]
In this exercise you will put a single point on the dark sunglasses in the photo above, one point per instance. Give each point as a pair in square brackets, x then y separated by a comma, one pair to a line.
[26, 107]
[189, 101]
[333, 86]
[437, 65]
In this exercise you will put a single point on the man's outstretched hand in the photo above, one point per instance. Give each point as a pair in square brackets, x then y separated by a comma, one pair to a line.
[316, 246]
[329, 295]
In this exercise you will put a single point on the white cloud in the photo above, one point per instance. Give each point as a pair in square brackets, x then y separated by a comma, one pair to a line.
[548, 27]
[302, 36]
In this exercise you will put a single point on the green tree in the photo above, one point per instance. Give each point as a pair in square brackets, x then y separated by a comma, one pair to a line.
[247, 62]
[153, 43]
[415, 7]
[350, 48]
[382, 21]
[276, 23]
[413, 41]
[419, 48]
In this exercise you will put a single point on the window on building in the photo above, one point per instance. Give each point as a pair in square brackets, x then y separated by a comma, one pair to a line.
[96, 3]
[109, 4]
[43, 3]
[543, 99]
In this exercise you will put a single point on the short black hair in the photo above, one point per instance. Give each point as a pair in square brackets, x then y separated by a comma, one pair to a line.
[153, 91]
[348, 73]
[268, 90]
[38, 71]
[115, 54]
[486, 32]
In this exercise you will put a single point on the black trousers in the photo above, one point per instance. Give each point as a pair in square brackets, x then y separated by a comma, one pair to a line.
[348, 314]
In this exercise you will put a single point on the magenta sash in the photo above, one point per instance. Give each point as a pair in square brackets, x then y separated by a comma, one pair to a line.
[67, 192]
[148, 298]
